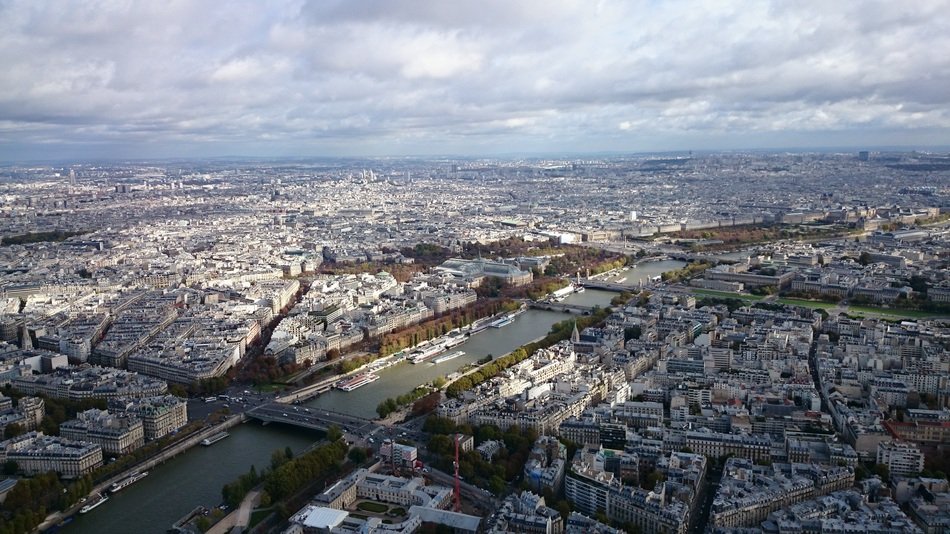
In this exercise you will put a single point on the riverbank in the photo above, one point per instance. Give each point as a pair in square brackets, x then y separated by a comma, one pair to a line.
[308, 392]
[166, 454]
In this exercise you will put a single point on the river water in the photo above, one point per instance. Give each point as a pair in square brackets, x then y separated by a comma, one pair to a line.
[195, 477]
[644, 272]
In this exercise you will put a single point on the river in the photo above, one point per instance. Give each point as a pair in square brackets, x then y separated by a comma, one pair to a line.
[403, 377]
[195, 478]
[644, 272]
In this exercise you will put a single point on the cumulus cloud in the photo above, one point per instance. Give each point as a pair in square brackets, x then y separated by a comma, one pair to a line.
[295, 77]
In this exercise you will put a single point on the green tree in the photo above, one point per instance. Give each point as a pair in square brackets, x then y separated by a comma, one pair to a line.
[277, 459]
[632, 332]
[496, 485]
[357, 455]
[882, 471]
[13, 430]
[10, 467]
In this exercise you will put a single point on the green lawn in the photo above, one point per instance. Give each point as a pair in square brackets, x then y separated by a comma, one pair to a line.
[374, 507]
[259, 515]
[909, 314]
[726, 294]
[814, 304]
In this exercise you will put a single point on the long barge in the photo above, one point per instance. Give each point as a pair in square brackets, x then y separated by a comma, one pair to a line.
[99, 499]
[360, 380]
[207, 442]
[437, 347]
[449, 356]
[127, 481]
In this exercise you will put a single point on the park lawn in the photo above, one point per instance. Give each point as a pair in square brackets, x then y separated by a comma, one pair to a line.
[726, 294]
[259, 515]
[897, 312]
[814, 304]
[374, 507]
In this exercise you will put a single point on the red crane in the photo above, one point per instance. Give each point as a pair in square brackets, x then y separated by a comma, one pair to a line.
[458, 486]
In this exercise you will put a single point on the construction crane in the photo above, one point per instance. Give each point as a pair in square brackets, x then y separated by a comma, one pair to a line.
[458, 487]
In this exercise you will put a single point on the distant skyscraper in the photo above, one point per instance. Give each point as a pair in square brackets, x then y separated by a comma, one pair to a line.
[72, 177]
[864, 155]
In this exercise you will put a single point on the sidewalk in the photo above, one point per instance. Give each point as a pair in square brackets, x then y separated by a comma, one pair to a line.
[240, 517]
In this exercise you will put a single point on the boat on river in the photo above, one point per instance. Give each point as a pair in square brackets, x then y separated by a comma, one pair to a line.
[360, 380]
[207, 442]
[127, 481]
[99, 499]
[449, 356]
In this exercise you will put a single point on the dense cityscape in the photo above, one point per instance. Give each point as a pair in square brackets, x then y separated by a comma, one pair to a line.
[712, 342]
[429, 267]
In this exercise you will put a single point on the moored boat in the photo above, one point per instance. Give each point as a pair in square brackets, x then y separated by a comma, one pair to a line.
[94, 502]
[449, 356]
[207, 442]
[360, 380]
[127, 481]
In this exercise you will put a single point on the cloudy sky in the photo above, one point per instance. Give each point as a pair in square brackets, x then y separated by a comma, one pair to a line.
[129, 79]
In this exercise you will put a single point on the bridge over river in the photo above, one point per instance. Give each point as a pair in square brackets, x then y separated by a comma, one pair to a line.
[561, 306]
[311, 418]
[591, 283]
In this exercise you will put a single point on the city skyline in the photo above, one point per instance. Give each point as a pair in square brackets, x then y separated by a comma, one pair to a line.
[323, 79]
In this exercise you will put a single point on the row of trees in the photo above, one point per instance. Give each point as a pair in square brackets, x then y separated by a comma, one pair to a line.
[427, 254]
[812, 295]
[686, 272]
[622, 299]
[437, 326]
[40, 237]
[559, 332]
[390, 405]
[317, 464]
[402, 272]
[28, 503]
[263, 369]
[287, 474]
[566, 259]
[731, 236]
[542, 287]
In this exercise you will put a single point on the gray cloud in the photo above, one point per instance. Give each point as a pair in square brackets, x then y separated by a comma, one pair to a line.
[403, 76]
